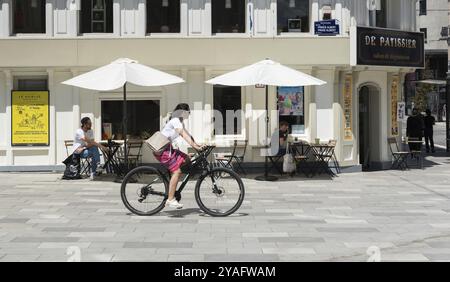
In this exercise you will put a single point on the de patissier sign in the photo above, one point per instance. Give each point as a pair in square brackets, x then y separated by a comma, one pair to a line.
[387, 47]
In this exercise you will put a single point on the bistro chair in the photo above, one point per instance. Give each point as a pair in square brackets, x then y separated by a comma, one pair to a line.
[399, 158]
[301, 157]
[85, 163]
[234, 160]
[134, 150]
[335, 163]
[417, 153]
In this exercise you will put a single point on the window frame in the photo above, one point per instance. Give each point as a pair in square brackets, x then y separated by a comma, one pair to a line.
[131, 96]
[224, 137]
[22, 34]
[423, 4]
[295, 34]
[232, 34]
[164, 34]
[96, 34]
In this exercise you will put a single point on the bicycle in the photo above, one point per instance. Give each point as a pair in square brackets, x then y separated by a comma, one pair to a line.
[145, 189]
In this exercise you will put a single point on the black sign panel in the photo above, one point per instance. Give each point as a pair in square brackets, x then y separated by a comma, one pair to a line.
[385, 47]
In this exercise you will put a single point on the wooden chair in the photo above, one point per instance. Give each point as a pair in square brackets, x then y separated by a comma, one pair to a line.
[399, 158]
[85, 163]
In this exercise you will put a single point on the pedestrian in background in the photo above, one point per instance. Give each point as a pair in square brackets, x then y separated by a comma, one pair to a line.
[429, 121]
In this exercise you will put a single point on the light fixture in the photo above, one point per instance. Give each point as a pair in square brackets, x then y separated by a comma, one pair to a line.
[34, 3]
[291, 3]
[165, 3]
[227, 4]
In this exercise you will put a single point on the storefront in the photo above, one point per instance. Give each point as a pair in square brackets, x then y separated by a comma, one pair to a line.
[355, 107]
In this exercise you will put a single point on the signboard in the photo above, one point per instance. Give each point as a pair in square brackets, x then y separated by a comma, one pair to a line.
[401, 110]
[326, 28]
[30, 118]
[348, 107]
[386, 47]
[394, 106]
[290, 101]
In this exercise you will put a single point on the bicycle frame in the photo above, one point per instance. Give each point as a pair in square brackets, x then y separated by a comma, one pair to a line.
[201, 162]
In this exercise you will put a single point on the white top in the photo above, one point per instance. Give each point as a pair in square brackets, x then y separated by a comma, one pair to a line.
[169, 129]
[78, 142]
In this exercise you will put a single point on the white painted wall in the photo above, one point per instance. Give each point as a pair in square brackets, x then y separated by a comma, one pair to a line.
[433, 21]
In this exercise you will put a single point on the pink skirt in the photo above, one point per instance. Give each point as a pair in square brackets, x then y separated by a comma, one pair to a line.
[171, 158]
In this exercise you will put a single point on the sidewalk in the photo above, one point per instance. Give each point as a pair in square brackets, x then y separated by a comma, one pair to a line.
[404, 214]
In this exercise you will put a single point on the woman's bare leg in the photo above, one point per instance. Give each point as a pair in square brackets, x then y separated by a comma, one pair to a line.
[173, 183]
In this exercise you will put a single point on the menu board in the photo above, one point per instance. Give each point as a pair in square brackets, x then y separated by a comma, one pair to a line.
[348, 107]
[394, 106]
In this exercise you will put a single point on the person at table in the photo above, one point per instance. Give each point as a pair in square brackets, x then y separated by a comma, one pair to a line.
[173, 159]
[414, 129]
[279, 139]
[85, 146]
[429, 121]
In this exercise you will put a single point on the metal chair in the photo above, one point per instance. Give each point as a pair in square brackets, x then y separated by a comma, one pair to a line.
[85, 163]
[399, 158]
[416, 153]
[333, 158]
[234, 160]
[134, 150]
[301, 157]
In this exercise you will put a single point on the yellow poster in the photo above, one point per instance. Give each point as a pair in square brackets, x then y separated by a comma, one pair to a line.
[30, 118]
[394, 106]
[348, 107]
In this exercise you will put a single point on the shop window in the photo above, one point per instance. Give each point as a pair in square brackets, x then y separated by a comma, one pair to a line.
[28, 16]
[227, 110]
[422, 7]
[381, 13]
[293, 16]
[163, 16]
[96, 16]
[31, 84]
[143, 119]
[291, 108]
[228, 16]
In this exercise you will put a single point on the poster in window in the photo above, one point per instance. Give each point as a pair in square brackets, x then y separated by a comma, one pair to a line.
[290, 101]
[348, 106]
[394, 106]
[401, 110]
[30, 118]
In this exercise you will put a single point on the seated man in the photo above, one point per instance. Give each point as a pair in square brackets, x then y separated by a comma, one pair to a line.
[279, 139]
[85, 146]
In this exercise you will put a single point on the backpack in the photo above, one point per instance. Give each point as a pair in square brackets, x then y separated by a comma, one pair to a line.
[73, 167]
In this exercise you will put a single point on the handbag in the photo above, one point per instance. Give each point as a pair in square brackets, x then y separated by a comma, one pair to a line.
[157, 142]
[288, 161]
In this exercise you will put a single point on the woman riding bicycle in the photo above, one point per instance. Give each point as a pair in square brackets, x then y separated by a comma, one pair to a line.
[173, 159]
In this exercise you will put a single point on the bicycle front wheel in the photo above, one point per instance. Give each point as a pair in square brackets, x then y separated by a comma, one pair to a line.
[144, 191]
[220, 192]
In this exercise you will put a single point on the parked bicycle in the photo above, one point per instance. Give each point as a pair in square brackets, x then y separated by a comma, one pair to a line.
[219, 191]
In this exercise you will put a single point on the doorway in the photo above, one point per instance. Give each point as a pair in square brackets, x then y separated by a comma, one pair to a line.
[369, 127]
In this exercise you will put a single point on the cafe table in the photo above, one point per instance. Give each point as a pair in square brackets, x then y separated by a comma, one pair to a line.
[112, 163]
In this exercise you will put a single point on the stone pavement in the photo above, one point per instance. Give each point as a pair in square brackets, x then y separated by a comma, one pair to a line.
[388, 215]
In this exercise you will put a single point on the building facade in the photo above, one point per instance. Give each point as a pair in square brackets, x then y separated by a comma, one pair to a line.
[432, 20]
[45, 42]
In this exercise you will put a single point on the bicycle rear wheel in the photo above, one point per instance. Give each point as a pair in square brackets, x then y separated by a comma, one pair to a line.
[220, 192]
[144, 191]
